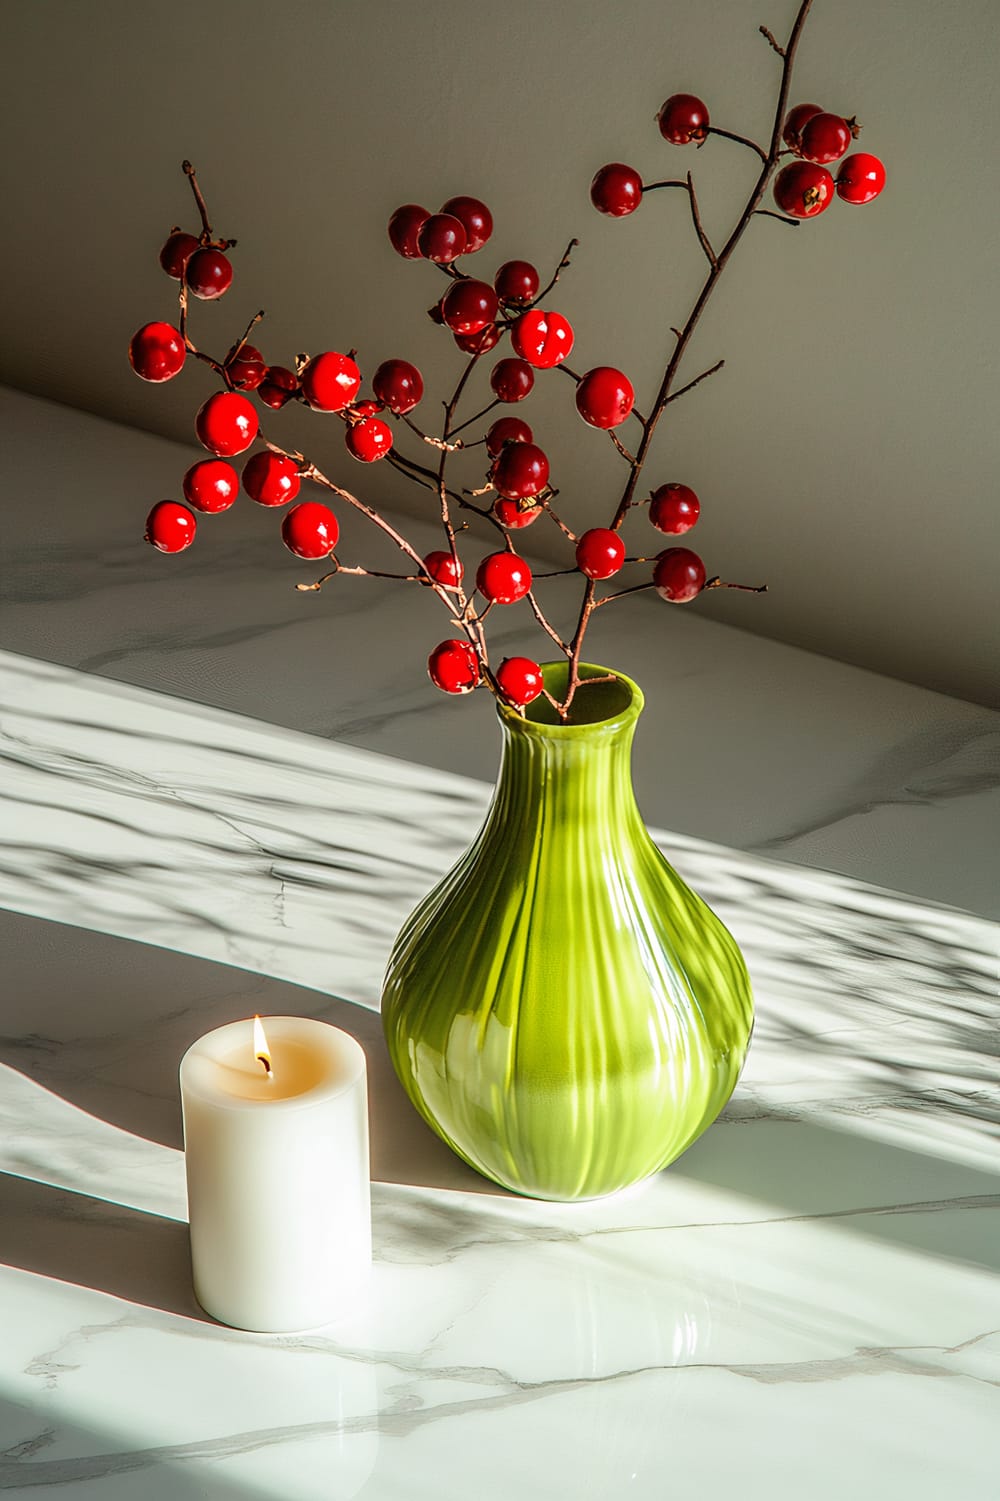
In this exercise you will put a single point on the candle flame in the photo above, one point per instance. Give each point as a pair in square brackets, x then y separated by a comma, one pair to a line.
[261, 1051]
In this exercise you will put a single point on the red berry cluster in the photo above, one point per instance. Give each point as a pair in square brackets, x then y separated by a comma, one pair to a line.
[479, 312]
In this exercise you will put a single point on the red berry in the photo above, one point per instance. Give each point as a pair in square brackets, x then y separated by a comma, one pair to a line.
[211, 485]
[404, 227]
[278, 386]
[543, 339]
[247, 369]
[310, 530]
[503, 578]
[512, 380]
[679, 575]
[369, 440]
[170, 527]
[860, 178]
[208, 273]
[177, 251]
[444, 569]
[674, 509]
[399, 385]
[825, 138]
[507, 430]
[157, 352]
[516, 281]
[683, 118]
[469, 306]
[330, 381]
[796, 118]
[604, 396]
[442, 238]
[600, 553]
[515, 513]
[226, 424]
[482, 342]
[270, 479]
[616, 190]
[521, 471]
[803, 190]
[454, 667]
[519, 680]
[474, 217]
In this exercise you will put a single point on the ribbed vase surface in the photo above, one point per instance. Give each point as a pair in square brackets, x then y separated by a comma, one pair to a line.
[562, 1009]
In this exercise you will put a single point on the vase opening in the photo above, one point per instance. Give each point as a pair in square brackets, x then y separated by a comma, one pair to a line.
[617, 699]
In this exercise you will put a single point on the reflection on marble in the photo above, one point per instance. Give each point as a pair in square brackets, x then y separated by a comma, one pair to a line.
[806, 1301]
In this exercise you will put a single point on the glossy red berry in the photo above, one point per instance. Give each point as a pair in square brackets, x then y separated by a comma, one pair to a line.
[516, 282]
[404, 227]
[543, 339]
[474, 217]
[600, 553]
[330, 381]
[469, 306]
[520, 472]
[247, 369]
[442, 238]
[399, 385]
[825, 138]
[674, 509]
[519, 680]
[796, 118]
[482, 342]
[270, 479]
[503, 578]
[507, 430]
[444, 569]
[310, 530]
[679, 575]
[511, 380]
[278, 386]
[803, 190]
[860, 178]
[170, 527]
[604, 396]
[177, 250]
[208, 273]
[453, 667]
[226, 424]
[515, 513]
[616, 190]
[369, 440]
[683, 118]
[211, 485]
[157, 352]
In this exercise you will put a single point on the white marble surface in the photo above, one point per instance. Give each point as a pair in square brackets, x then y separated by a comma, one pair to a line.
[807, 1301]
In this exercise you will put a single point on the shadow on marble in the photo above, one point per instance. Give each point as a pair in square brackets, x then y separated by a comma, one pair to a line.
[100, 1463]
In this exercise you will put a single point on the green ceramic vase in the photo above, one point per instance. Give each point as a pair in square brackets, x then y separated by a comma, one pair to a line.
[561, 1008]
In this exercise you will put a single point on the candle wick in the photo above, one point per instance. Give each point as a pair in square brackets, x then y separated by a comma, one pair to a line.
[262, 1058]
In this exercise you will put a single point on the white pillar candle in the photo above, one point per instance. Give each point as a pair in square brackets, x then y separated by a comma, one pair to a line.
[277, 1173]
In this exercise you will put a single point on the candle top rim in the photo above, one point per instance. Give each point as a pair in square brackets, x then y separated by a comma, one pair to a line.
[341, 1063]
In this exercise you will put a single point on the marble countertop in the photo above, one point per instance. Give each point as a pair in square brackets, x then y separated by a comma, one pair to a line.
[805, 1303]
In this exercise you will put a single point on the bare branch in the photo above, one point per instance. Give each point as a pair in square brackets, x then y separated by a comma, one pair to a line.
[567, 253]
[699, 229]
[676, 395]
[769, 213]
[772, 41]
[730, 135]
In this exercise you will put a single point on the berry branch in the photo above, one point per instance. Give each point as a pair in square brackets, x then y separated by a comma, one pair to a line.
[515, 489]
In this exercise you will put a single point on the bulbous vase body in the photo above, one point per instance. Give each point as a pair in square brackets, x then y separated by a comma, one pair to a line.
[562, 1009]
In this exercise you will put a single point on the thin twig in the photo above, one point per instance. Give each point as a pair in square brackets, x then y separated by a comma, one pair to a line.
[768, 213]
[699, 228]
[470, 420]
[635, 589]
[567, 253]
[676, 395]
[549, 630]
[730, 135]
[628, 457]
[666, 182]
[772, 40]
[189, 172]
[717, 583]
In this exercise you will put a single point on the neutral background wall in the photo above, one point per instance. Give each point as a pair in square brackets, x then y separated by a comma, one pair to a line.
[848, 452]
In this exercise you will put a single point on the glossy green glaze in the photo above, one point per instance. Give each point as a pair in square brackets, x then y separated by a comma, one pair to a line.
[561, 1008]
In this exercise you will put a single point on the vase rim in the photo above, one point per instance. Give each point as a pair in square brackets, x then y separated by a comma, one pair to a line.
[623, 715]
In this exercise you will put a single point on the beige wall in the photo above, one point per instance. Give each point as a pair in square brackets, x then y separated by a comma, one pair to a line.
[847, 454]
